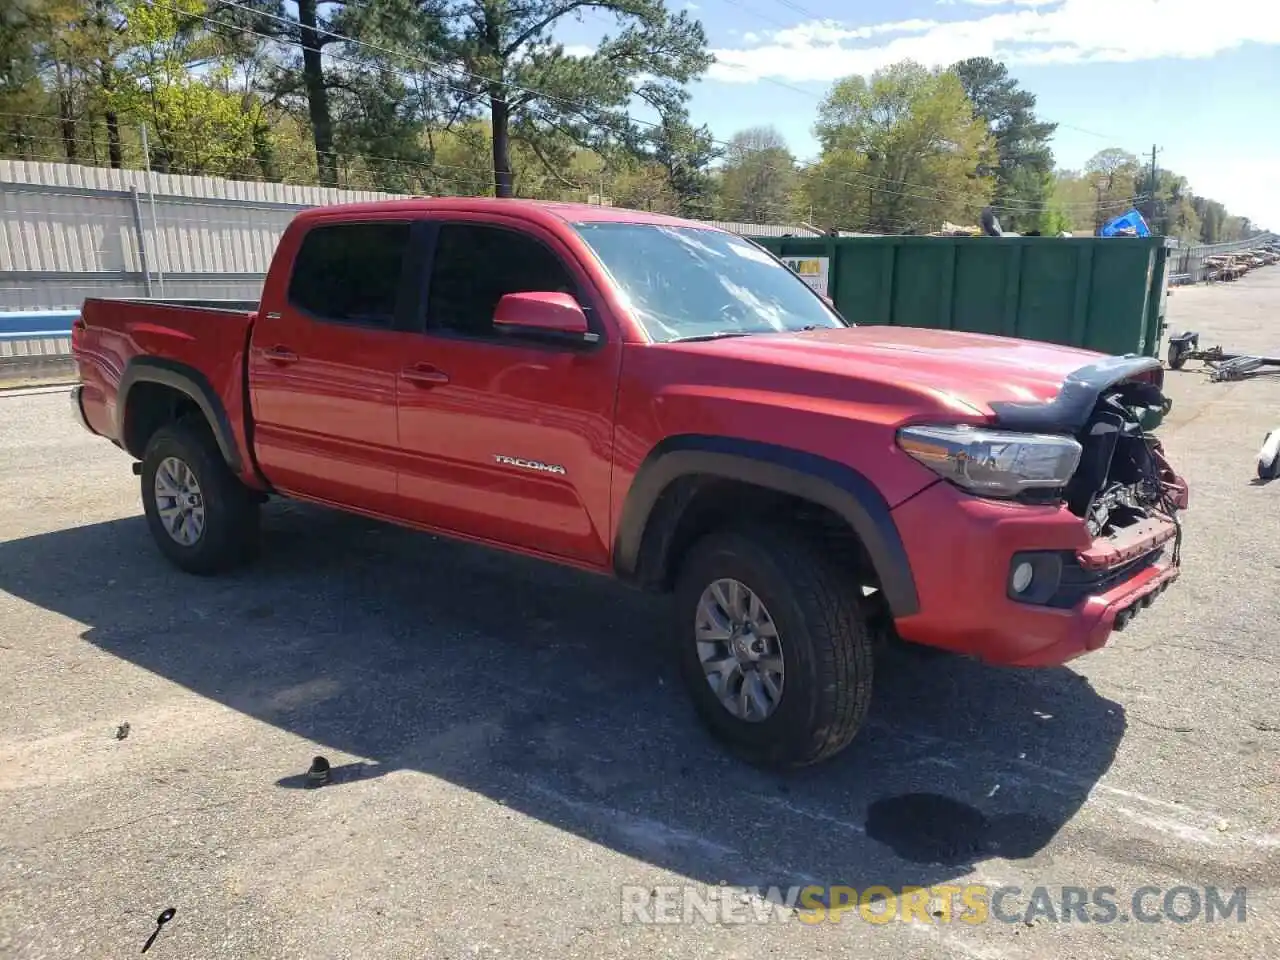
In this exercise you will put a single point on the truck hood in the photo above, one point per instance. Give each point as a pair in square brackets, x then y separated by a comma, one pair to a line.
[996, 377]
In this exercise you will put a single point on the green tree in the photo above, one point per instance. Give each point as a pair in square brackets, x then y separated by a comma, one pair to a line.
[758, 179]
[1174, 213]
[1024, 159]
[685, 153]
[1114, 176]
[901, 152]
[300, 75]
[25, 25]
[57, 59]
[199, 124]
[504, 60]
[1071, 204]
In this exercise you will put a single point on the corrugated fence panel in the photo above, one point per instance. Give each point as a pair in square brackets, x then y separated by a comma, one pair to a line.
[60, 231]
[70, 232]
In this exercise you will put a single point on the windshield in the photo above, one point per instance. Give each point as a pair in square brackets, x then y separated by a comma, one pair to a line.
[688, 282]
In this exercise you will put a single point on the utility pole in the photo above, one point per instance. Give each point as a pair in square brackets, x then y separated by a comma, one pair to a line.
[1151, 192]
[151, 202]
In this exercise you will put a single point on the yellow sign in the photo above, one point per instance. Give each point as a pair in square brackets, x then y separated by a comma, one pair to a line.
[812, 270]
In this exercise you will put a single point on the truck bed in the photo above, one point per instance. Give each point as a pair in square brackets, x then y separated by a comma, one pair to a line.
[113, 339]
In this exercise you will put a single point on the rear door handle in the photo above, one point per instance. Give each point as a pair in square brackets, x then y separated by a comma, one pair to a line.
[280, 355]
[425, 375]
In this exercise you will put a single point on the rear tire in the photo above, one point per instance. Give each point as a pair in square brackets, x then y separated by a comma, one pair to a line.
[202, 518]
[811, 607]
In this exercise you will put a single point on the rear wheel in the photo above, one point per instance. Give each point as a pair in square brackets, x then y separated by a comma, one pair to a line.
[774, 648]
[201, 517]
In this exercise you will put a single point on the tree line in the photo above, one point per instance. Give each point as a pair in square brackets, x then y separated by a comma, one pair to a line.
[470, 97]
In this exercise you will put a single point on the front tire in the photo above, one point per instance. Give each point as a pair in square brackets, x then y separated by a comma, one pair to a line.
[773, 646]
[202, 518]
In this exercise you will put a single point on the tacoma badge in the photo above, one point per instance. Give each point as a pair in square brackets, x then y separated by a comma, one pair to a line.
[528, 464]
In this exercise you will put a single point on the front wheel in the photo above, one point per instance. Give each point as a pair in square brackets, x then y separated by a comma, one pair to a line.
[773, 646]
[201, 517]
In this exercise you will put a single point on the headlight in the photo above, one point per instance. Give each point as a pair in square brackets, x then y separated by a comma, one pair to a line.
[993, 463]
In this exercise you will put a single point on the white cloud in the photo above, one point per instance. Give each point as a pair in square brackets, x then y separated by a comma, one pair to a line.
[1020, 32]
[1000, 3]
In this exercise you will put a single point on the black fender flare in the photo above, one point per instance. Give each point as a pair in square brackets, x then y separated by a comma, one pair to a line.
[187, 380]
[835, 486]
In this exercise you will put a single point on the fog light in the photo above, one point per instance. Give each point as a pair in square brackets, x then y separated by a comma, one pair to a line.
[1035, 576]
[1022, 575]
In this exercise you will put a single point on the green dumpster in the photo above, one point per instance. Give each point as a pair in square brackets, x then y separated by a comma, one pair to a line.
[1100, 293]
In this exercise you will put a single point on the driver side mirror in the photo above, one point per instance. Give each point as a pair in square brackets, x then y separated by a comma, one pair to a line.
[553, 315]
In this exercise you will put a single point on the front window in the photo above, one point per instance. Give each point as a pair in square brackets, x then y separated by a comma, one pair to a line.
[689, 282]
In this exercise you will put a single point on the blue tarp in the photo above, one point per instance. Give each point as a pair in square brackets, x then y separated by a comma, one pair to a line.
[1129, 221]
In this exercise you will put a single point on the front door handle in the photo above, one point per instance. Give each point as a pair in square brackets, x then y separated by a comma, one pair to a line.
[280, 355]
[425, 375]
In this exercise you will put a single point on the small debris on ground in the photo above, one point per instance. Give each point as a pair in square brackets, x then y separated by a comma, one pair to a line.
[319, 772]
[122, 731]
[161, 920]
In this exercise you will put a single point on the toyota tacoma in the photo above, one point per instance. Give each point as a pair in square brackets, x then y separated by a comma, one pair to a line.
[667, 403]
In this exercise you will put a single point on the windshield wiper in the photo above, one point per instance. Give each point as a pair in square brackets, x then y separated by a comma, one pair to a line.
[718, 335]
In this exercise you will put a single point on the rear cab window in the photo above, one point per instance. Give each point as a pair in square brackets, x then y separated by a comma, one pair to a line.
[351, 272]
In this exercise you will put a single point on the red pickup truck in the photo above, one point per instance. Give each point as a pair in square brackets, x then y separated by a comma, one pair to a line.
[667, 403]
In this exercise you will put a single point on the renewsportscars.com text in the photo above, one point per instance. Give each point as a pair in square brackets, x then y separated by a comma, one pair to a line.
[944, 903]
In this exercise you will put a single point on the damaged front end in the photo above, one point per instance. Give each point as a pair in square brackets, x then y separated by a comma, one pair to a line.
[1123, 477]
[1123, 489]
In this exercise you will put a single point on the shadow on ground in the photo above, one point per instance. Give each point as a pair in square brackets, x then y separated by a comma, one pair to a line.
[549, 690]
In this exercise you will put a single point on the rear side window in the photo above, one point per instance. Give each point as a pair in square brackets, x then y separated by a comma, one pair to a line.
[351, 272]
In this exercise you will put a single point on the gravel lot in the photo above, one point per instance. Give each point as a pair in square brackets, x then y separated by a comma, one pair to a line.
[511, 745]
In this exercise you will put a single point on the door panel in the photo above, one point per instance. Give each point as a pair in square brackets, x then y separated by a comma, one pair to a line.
[538, 409]
[325, 424]
[506, 440]
[323, 367]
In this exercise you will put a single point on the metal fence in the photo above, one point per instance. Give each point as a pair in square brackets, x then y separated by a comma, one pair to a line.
[1187, 263]
[71, 232]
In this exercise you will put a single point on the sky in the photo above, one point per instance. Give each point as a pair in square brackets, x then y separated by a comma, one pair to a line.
[1198, 80]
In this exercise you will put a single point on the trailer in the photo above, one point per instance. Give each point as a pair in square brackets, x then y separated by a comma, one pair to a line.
[1221, 365]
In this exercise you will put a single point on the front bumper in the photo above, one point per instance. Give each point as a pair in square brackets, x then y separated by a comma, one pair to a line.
[961, 549]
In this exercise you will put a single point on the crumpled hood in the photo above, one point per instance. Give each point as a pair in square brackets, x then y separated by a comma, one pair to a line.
[962, 369]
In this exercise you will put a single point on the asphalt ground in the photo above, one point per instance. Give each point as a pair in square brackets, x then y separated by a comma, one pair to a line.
[511, 747]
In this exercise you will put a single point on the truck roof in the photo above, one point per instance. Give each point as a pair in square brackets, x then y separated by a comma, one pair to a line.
[535, 210]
